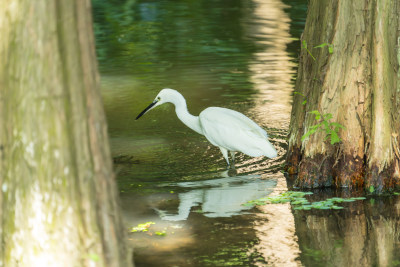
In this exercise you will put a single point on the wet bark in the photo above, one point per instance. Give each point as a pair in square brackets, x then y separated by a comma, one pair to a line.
[58, 198]
[358, 83]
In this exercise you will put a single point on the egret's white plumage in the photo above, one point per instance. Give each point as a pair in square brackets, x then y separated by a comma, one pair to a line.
[228, 129]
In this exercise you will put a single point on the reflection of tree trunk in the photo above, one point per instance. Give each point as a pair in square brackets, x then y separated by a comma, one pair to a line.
[361, 235]
[359, 85]
[58, 198]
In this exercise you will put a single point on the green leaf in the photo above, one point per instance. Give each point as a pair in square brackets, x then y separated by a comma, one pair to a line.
[304, 102]
[327, 128]
[327, 116]
[163, 233]
[317, 114]
[142, 227]
[330, 49]
[297, 93]
[316, 126]
[321, 45]
[307, 134]
[371, 189]
[337, 126]
[334, 138]
[358, 198]
[324, 208]
[304, 44]
[93, 256]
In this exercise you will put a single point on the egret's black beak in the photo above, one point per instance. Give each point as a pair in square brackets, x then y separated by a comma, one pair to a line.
[146, 109]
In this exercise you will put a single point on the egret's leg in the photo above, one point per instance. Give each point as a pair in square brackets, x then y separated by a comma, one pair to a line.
[233, 157]
[225, 154]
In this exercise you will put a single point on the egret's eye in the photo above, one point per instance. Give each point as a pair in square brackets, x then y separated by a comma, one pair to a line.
[158, 98]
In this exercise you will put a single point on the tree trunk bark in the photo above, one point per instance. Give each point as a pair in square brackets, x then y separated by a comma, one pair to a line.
[358, 83]
[58, 198]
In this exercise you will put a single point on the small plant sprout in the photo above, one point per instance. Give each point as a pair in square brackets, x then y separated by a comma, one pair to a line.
[330, 47]
[308, 51]
[371, 189]
[305, 46]
[304, 101]
[331, 129]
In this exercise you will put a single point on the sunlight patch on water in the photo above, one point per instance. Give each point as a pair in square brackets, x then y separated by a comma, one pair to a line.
[275, 229]
[272, 69]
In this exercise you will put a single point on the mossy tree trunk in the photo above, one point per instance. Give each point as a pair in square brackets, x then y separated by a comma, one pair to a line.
[58, 197]
[358, 83]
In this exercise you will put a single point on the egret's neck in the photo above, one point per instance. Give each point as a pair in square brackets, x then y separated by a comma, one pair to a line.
[183, 114]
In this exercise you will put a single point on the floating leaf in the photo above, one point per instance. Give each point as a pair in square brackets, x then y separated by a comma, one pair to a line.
[142, 227]
[163, 233]
[359, 198]
[349, 200]
[299, 202]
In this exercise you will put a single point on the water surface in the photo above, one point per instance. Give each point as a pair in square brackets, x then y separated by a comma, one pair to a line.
[235, 54]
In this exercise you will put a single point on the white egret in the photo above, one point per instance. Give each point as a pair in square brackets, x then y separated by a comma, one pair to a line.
[225, 128]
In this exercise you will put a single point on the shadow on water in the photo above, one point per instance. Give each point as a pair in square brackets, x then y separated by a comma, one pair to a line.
[240, 55]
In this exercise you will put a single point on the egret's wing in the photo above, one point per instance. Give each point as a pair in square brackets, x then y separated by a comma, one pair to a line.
[235, 132]
[232, 119]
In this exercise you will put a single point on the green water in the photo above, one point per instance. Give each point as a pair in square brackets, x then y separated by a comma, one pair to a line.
[240, 55]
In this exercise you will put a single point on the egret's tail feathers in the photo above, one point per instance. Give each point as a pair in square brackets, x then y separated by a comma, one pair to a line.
[269, 150]
[263, 148]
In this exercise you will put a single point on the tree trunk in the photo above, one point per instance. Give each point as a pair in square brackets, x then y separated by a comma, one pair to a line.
[358, 83]
[58, 198]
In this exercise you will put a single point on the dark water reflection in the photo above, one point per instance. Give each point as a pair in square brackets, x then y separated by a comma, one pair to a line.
[240, 55]
[365, 233]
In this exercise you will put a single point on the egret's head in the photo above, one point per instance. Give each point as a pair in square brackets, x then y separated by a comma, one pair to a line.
[164, 96]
